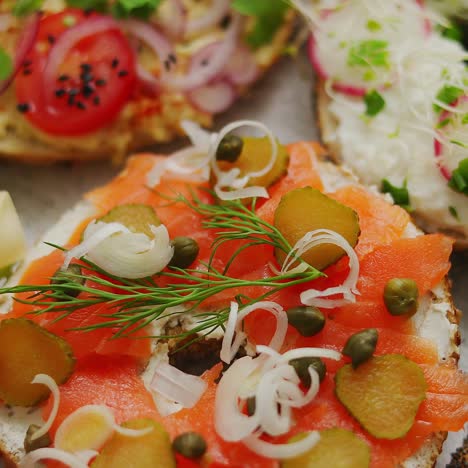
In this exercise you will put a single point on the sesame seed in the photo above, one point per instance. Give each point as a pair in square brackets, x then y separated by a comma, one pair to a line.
[60, 92]
[73, 92]
[123, 73]
[87, 90]
[115, 63]
[172, 58]
[27, 63]
[225, 22]
[205, 62]
[87, 77]
[86, 67]
[23, 107]
[81, 105]
[63, 78]
[96, 100]
[27, 71]
[101, 82]
[167, 65]
[50, 39]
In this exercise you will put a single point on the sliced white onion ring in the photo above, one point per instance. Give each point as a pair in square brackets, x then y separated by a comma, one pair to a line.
[68, 459]
[230, 348]
[178, 386]
[50, 383]
[282, 451]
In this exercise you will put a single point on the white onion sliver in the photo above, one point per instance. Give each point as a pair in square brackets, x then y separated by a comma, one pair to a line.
[226, 346]
[307, 352]
[128, 254]
[50, 383]
[282, 451]
[68, 459]
[126, 431]
[107, 417]
[86, 455]
[230, 423]
[95, 236]
[178, 386]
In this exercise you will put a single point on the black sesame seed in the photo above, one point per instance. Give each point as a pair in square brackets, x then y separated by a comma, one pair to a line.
[50, 39]
[27, 71]
[81, 105]
[23, 107]
[167, 65]
[73, 92]
[101, 82]
[87, 77]
[96, 100]
[87, 90]
[172, 58]
[225, 22]
[115, 63]
[63, 78]
[27, 63]
[122, 73]
[60, 92]
[205, 62]
[86, 67]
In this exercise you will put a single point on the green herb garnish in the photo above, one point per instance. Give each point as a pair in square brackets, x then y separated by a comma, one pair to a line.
[459, 179]
[400, 195]
[453, 211]
[374, 103]
[6, 65]
[26, 7]
[369, 53]
[95, 5]
[448, 95]
[140, 302]
[269, 16]
[452, 31]
[373, 25]
[142, 9]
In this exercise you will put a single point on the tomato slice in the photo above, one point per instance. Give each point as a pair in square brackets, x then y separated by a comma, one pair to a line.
[92, 85]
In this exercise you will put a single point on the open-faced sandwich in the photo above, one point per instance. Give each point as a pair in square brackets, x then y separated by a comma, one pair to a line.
[392, 103]
[239, 303]
[87, 79]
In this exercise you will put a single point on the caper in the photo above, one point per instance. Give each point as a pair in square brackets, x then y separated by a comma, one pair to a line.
[185, 252]
[40, 442]
[361, 346]
[229, 148]
[70, 276]
[251, 405]
[189, 444]
[307, 320]
[301, 366]
[401, 296]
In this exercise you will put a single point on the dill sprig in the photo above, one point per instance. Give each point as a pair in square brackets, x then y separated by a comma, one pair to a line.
[131, 305]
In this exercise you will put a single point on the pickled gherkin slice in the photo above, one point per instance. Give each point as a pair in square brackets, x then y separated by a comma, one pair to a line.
[337, 448]
[27, 350]
[136, 217]
[307, 209]
[383, 394]
[255, 155]
[146, 451]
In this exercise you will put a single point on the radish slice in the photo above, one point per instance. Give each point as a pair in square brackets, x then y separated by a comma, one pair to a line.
[23, 47]
[451, 143]
[358, 46]
[242, 69]
[213, 98]
[219, 9]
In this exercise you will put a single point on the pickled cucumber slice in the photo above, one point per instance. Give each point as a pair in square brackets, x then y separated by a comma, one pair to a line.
[383, 394]
[337, 448]
[136, 217]
[26, 350]
[256, 154]
[147, 451]
[307, 209]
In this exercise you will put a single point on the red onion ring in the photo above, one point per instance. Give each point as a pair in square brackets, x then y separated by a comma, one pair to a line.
[23, 47]
[173, 21]
[242, 69]
[439, 147]
[213, 98]
[208, 63]
[158, 44]
[67, 40]
[215, 14]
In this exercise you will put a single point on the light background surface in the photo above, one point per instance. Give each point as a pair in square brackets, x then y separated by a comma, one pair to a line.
[283, 100]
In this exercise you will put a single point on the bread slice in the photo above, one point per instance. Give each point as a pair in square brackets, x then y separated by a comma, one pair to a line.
[144, 120]
[437, 319]
[328, 125]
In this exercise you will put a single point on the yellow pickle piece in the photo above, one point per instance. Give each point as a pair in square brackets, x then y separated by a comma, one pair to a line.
[26, 350]
[383, 394]
[136, 217]
[255, 155]
[337, 448]
[147, 451]
[307, 209]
